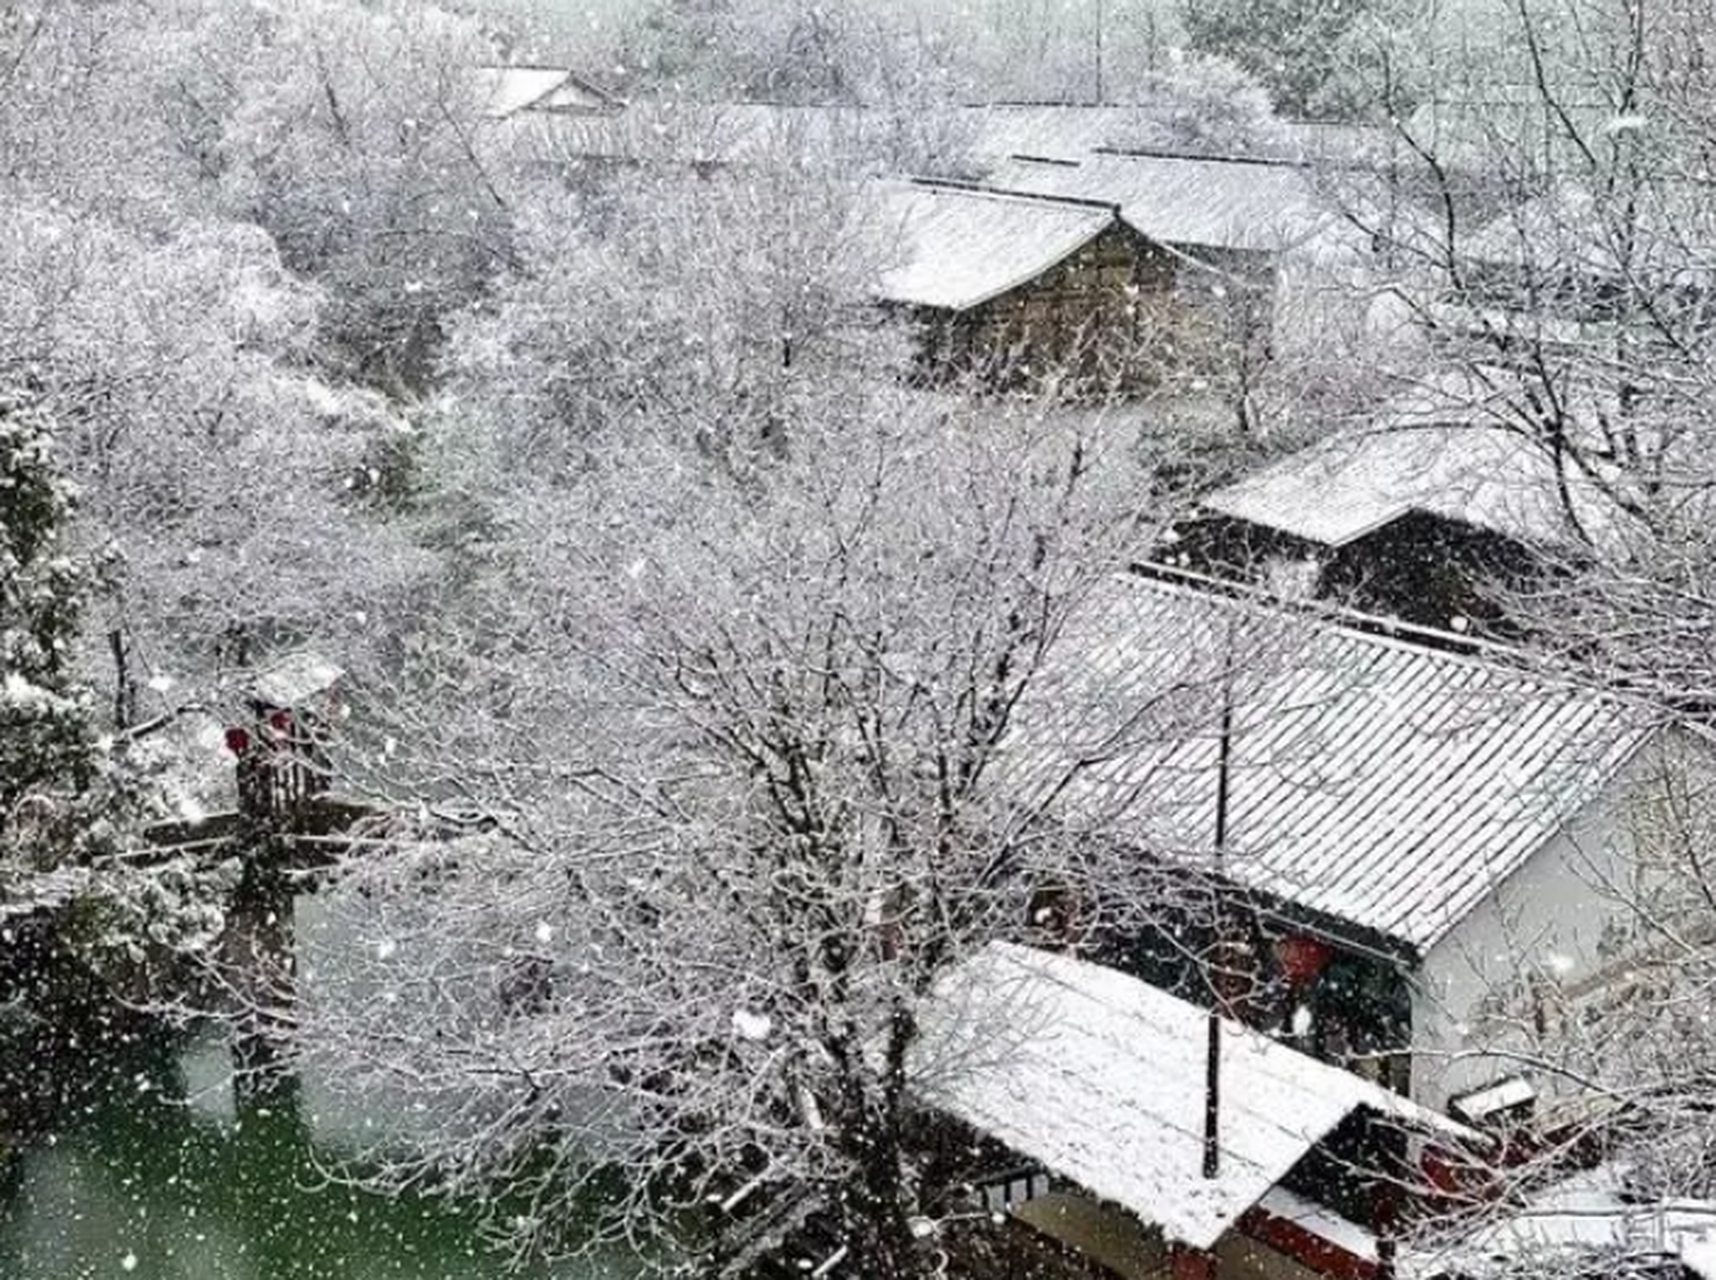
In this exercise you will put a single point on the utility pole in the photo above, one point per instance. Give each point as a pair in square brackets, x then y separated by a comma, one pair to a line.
[1218, 992]
[1098, 35]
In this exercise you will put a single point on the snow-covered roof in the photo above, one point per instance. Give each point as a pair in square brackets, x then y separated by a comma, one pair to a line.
[1350, 485]
[1101, 1078]
[1385, 784]
[1590, 1212]
[1450, 448]
[295, 680]
[505, 91]
[1661, 233]
[1194, 202]
[959, 246]
[722, 133]
[1062, 131]
[984, 135]
[1319, 1220]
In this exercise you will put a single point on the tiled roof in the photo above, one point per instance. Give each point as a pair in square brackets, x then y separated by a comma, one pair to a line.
[1100, 1078]
[958, 247]
[1385, 784]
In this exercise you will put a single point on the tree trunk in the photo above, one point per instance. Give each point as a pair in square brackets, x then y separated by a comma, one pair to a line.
[878, 1228]
[258, 948]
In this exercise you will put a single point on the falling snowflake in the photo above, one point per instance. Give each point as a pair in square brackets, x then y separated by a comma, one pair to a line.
[545, 933]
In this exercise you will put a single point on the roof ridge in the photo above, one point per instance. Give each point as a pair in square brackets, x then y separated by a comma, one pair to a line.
[1003, 193]
[1383, 632]
[1163, 153]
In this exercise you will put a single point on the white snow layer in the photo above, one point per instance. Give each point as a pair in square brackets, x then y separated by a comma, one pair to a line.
[1101, 1078]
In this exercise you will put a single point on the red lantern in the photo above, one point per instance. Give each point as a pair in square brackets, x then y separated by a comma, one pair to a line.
[237, 741]
[1301, 957]
[281, 723]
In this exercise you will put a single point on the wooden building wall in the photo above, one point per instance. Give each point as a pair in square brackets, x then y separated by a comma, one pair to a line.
[1422, 569]
[1119, 316]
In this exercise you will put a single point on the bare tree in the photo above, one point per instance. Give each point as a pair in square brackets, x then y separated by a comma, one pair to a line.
[740, 746]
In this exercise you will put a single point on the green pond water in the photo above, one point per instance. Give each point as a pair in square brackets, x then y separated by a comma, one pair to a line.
[154, 1175]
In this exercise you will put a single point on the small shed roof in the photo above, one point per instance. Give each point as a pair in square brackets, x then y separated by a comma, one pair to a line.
[1384, 784]
[1101, 1078]
[505, 91]
[1190, 201]
[961, 246]
[1463, 467]
[295, 680]
[1351, 485]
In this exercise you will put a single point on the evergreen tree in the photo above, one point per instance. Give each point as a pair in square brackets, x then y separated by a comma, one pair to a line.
[1290, 46]
[48, 759]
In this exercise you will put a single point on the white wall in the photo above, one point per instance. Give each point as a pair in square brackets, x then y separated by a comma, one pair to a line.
[1498, 995]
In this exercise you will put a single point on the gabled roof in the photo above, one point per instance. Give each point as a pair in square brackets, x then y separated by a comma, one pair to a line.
[1383, 784]
[1190, 201]
[1100, 1078]
[1461, 466]
[961, 246]
[1345, 487]
[505, 91]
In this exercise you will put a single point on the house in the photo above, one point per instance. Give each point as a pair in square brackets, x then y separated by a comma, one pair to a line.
[1425, 854]
[1580, 277]
[1101, 1082]
[1023, 290]
[1422, 514]
[1261, 246]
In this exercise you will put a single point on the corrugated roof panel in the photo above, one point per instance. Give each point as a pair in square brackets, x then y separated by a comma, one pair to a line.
[1386, 784]
[959, 247]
